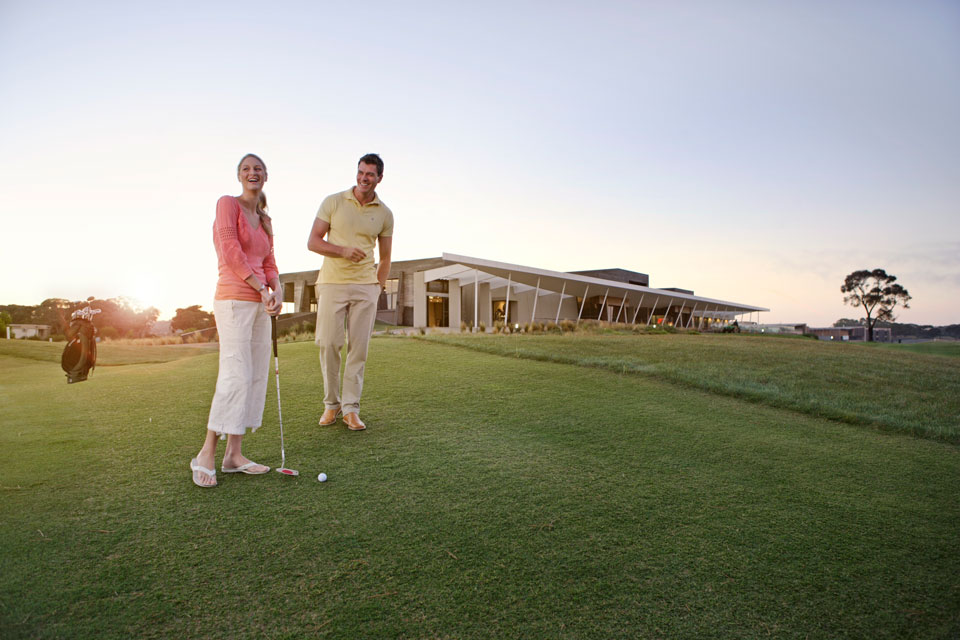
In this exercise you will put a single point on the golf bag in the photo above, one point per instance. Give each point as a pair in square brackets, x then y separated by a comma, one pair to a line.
[80, 354]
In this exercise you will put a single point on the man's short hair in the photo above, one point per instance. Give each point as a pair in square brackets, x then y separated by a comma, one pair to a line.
[372, 158]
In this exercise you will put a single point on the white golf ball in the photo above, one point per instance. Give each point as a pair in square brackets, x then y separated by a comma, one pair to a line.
[322, 477]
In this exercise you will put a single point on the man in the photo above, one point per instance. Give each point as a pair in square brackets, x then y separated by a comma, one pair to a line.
[347, 227]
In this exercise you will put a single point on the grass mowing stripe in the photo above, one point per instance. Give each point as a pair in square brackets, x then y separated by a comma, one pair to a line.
[884, 388]
[489, 497]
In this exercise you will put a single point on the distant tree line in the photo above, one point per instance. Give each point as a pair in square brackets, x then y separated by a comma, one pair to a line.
[906, 330]
[118, 317]
[192, 319]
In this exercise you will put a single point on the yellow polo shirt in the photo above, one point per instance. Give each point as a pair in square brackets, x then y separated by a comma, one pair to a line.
[353, 225]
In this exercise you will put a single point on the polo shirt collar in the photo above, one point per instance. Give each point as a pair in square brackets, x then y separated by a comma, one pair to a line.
[376, 198]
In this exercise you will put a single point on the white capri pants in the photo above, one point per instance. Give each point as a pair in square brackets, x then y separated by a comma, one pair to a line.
[245, 342]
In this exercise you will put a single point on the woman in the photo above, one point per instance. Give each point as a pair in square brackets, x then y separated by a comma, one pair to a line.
[247, 291]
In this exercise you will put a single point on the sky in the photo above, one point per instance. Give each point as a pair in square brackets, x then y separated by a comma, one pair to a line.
[752, 151]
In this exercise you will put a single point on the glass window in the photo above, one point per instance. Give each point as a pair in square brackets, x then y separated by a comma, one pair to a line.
[438, 286]
[391, 292]
[438, 311]
[499, 310]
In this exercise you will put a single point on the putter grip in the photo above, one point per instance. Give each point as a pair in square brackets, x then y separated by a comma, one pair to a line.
[273, 333]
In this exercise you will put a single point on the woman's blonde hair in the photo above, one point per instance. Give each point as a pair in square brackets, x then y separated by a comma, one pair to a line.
[265, 221]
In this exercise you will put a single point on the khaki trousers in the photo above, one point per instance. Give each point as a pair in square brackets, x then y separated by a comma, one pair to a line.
[353, 306]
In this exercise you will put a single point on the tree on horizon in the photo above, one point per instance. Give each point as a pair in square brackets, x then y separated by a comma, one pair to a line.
[877, 293]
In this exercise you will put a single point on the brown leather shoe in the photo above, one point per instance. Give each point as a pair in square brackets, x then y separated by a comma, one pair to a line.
[353, 421]
[329, 417]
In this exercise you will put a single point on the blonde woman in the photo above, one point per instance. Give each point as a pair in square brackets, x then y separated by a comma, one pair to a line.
[248, 293]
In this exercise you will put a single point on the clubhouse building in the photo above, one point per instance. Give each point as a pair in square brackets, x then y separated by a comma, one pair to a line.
[454, 290]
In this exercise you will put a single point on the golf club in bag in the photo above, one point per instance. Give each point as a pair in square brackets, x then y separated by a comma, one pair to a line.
[276, 367]
[80, 354]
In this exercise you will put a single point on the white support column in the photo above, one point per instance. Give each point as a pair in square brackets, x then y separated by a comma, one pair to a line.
[585, 291]
[419, 300]
[560, 302]
[476, 298]
[454, 302]
[634, 321]
[533, 312]
[603, 305]
[680, 315]
[506, 305]
[622, 302]
[299, 293]
[653, 311]
[667, 313]
[704, 315]
[692, 311]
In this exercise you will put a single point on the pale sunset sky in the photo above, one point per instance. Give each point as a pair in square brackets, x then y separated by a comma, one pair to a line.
[752, 151]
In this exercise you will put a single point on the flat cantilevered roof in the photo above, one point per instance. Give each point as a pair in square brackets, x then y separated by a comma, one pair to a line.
[570, 284]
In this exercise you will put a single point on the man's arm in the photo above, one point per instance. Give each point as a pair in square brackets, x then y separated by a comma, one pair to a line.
[318, 244]
[383, 269]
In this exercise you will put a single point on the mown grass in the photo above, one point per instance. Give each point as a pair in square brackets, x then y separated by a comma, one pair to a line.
[489, 498]
[936, 347]
[891, 389]
[108, 353]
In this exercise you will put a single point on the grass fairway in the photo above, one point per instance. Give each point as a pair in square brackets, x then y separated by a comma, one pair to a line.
[490, 497]
[895, 388]
[109, 354]
[938, 348]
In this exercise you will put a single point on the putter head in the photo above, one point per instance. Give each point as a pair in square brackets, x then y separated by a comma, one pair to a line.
[288, 472]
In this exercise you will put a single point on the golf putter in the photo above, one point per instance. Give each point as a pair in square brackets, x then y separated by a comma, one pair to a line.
[276, 367]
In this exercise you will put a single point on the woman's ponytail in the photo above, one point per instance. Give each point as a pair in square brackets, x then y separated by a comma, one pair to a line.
[265, 221]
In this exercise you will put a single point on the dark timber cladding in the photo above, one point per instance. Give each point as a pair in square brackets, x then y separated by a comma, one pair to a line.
[617, 275]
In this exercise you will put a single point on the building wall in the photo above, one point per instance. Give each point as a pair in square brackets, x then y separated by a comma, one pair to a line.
[595, 308]
[299, 288]
[854, 334]
[20, 331]
[403, 270]
[617, 275]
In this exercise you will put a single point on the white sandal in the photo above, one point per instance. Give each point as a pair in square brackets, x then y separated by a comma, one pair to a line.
[196, 468]
[244, 469]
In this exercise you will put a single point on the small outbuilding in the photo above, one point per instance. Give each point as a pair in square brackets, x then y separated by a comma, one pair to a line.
[20, 331]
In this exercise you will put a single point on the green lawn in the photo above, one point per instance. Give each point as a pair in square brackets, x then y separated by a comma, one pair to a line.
[937, 348]
[108, 353]
[891, 388]
[491, 497]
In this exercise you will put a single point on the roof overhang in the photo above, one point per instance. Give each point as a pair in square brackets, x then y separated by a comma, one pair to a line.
[468, 270]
